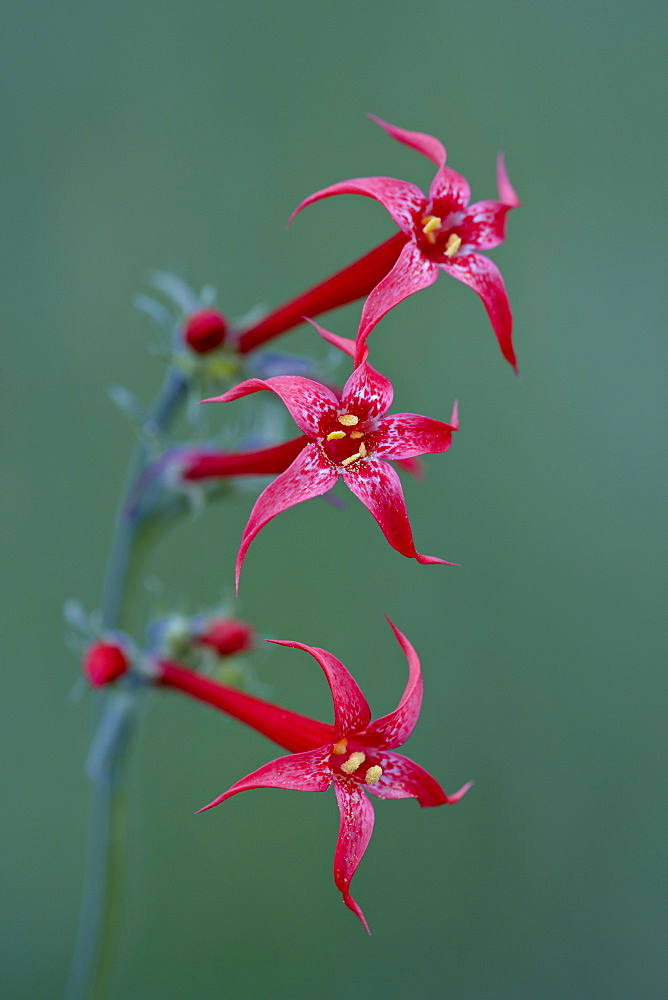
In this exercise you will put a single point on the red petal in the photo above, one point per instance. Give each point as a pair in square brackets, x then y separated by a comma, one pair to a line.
[351, 711]
[307, 401]
[395, 728]
[377, 485]
[354, 836]
[484, 277]
[310, 475]
[344, 344]
[405, 435]
[421, 141]
[368, 392]
[266, 461]
[410, 274]
[507, 193]
[402, 778]
[303, 772]
[413, 466]
[289, 729]
[484, 225]
[401, 199]
[450, 188]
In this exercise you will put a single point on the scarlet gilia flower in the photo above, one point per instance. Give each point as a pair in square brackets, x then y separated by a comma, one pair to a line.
[227, 636]
[349, 436]
[443, 233]
[354, 754]
[103, 663]
[205, 331]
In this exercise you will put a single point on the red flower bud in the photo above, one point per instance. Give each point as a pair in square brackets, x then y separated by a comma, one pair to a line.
[103, 663]
[205, 331]
[227, 636]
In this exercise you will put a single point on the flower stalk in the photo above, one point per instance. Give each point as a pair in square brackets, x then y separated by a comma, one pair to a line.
[107, 833]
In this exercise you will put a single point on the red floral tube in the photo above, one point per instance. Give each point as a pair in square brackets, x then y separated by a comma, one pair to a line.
[353, 282]
[289, 729]
[267, 461]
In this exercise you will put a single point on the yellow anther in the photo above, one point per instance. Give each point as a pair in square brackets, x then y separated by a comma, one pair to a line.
[429, 224]
[348, 419]
[353, 762]
[357, 434]
[362, 450]
[336, 435]
[352, 458]
[341, 746]
[373, 774]
[453, 245]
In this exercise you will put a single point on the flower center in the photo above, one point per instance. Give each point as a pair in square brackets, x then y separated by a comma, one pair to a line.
[350, 760]
[438, 237]
[345, 440]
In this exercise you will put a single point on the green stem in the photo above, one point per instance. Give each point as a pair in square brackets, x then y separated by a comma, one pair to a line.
[99, 922]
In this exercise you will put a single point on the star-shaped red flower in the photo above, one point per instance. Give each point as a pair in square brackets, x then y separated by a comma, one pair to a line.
[357, 755]
[353, 437]
[444, 234]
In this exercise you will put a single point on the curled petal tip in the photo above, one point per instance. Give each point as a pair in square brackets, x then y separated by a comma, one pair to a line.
[357, 910]
[507, 193]
[435, 561]
[456, 796]
[454, 419]
[209, 806]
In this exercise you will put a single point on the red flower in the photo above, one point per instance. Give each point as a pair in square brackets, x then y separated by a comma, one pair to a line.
[352, 437]
[444, 232]
[205, 331]
[355, 753]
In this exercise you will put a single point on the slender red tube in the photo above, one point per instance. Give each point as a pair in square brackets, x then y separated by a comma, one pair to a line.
[289, 729]
[267, 461]
[353, 282]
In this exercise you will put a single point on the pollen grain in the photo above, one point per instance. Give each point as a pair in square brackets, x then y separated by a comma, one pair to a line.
[354, 761]
[453, 245]
[429, 224]
[373, 774]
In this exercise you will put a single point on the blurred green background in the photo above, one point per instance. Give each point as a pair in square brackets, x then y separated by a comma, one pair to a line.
[145, 134]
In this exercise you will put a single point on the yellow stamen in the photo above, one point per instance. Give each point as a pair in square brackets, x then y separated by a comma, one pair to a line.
[353, 762]
[429, 224]
[352, 458]
[341, 746]
[453, 245]
[362, 450]
[348, 419]
[336, 435]
[357, 434]
[373, 774]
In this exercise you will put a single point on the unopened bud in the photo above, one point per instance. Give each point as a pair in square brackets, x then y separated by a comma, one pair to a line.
[103, 663]
[227, 636]
[205, 331]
